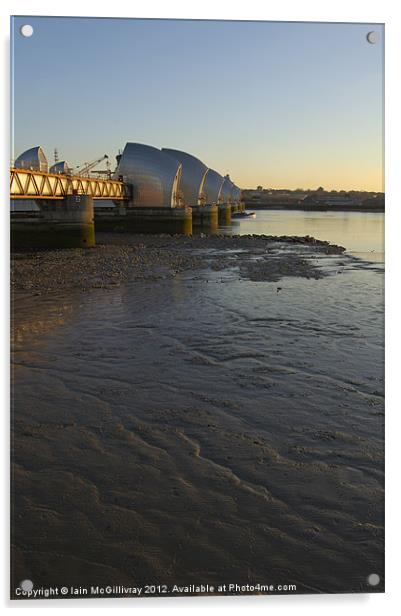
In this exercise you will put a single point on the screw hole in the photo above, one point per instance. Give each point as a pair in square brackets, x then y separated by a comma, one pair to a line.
[373, 579]
[26, 585]
[26, 30]
[372, 37]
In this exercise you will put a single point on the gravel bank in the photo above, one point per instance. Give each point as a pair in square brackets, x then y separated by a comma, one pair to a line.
[120, 257]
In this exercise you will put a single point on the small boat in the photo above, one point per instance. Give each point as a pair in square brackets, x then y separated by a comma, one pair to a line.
[243, 215]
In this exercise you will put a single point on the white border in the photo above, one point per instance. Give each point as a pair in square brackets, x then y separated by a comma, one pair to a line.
[377, 11]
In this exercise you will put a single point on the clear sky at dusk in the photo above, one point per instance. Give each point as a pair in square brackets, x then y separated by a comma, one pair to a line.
[277, 104]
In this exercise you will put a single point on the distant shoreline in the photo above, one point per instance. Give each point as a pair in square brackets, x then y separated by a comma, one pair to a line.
[314, 208]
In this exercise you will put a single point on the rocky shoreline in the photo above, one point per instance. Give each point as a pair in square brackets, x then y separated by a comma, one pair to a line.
[118, 258]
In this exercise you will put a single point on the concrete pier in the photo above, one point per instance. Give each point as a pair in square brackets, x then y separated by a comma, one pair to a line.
[145, 220]
[62, 223]
[206, 216]
[224, 213]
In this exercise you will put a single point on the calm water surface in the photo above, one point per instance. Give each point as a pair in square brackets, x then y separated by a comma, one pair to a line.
[207, 428]
[362, 233]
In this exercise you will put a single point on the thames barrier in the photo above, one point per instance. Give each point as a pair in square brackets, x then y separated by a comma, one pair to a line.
[151, 190]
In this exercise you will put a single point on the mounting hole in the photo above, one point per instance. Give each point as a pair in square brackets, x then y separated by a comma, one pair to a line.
[26, 30]
[373, 579]
[372, 37]
[26, 585]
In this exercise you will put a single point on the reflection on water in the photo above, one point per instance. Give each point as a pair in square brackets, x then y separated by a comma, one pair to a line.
[361, 233]
[31, 323]
[206, 429]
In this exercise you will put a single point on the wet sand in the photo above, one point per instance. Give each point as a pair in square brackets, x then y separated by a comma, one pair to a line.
[181, 418]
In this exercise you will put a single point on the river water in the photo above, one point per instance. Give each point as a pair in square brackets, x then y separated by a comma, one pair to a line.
[362, 233]
[207, 429]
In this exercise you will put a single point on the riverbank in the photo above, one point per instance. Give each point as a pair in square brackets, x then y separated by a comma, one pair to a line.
[178, 420]
[119, 257]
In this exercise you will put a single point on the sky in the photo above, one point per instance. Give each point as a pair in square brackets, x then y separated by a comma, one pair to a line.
[277, 104]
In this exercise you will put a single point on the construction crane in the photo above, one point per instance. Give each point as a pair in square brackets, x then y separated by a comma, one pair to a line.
[106, 173]
[84, 170]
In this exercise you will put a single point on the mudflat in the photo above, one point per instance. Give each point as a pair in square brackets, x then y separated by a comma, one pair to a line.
[183, 415]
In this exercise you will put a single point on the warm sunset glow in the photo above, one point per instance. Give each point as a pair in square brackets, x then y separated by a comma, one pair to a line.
[276, 104]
